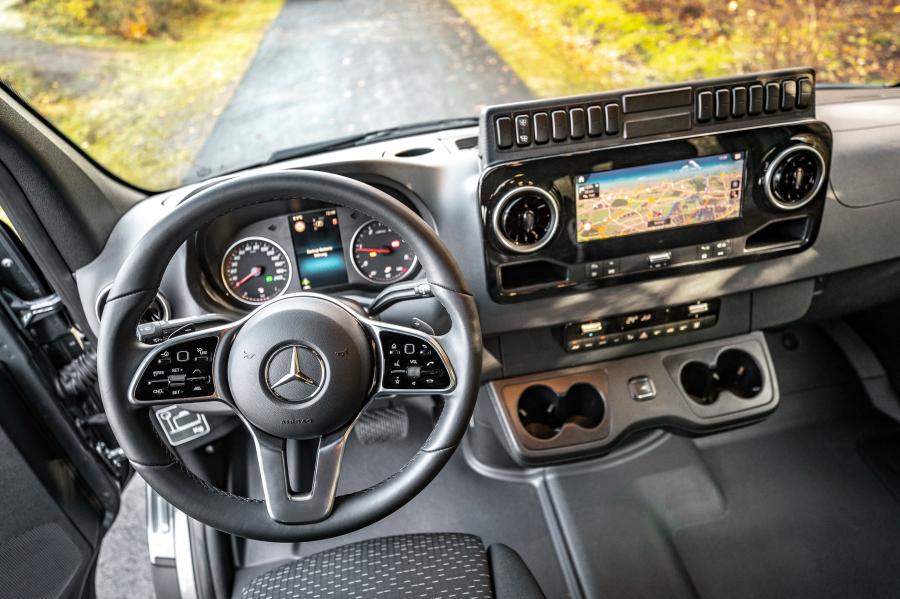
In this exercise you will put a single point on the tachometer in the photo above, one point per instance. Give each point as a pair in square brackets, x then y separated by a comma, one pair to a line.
[380, 255]
[255, 270]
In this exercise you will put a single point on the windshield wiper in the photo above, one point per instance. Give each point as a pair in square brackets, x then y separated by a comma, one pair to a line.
[351, 141]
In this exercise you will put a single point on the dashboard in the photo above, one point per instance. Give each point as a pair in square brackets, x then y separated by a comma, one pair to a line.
[761, 199]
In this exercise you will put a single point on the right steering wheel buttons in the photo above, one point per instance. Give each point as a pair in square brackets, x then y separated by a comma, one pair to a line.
[411, 363]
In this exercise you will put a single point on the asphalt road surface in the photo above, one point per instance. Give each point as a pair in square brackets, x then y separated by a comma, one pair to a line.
[328, 68]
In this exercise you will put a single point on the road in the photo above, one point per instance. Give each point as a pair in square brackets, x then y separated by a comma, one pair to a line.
[328, 68]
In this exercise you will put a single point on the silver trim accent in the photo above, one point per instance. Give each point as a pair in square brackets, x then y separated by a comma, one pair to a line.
[296, 373]
[104, 294]
[184, 561]
[160, 528]
[770, 171]
[287, 259]
[503, 205]
[356, 233]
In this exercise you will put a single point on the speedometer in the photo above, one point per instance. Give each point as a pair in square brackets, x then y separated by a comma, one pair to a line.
[255, 270]
[380, 255]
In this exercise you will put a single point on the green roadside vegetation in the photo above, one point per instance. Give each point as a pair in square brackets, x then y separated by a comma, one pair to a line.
[564, 47]
[163, 81]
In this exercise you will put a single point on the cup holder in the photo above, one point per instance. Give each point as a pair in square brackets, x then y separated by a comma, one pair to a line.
[735, 371]
[543, 412]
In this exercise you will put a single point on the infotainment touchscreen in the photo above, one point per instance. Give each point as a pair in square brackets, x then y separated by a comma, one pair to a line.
[318, 247]
[665, 195]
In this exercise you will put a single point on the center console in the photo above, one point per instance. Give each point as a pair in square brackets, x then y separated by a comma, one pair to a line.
[604, 189]
[596, 191]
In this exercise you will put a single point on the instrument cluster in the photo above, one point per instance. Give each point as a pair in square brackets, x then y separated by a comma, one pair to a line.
[252, 258]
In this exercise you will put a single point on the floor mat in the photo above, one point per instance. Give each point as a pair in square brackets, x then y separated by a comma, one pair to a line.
[789, 507]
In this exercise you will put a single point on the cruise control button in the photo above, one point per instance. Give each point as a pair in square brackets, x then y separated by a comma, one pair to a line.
[188, 376]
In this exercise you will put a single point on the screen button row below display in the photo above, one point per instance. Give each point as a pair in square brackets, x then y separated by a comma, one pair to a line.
[704, 252]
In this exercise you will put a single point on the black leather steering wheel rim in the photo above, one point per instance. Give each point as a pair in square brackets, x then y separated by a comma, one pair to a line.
[137, 283]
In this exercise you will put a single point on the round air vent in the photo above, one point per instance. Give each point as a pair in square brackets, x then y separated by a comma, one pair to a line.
[526, 219]
[795, 177]
[157, 310]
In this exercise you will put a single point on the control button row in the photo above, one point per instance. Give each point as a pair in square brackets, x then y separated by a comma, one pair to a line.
[411, 363]
[558, 126]
[658, 260]
[182, 371]
[710, 251]
[742, 100]
[663, 330]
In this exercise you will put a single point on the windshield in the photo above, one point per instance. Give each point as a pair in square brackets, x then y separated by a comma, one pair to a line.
[163, 92]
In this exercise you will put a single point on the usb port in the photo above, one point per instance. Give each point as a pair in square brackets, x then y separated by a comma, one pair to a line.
[699, 308]
[591, 327]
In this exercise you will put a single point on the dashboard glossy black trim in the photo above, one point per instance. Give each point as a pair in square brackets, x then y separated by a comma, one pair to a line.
[555, 174]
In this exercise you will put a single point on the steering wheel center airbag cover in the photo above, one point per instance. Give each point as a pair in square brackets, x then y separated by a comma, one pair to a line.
[309, 363]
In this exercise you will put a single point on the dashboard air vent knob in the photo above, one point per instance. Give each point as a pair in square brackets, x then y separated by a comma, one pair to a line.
[794, 177]
[525, 219]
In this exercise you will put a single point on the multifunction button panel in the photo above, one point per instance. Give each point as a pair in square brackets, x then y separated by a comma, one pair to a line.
[522, 130]
[640, 326]
[182, 371]
[412, 363]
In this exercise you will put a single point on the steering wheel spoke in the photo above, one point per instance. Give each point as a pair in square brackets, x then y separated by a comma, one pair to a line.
[410, 362]
[183, 369]
[287, 501]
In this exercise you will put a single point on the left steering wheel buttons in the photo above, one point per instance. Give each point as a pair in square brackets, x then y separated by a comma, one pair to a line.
[179, 371]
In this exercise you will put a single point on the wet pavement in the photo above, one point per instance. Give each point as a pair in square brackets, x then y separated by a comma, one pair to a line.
[328, 68]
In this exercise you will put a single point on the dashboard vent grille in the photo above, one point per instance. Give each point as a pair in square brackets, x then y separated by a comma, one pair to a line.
[526, 219]
[466, 143]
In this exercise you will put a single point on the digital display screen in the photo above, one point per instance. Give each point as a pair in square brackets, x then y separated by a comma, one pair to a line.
[666, 195]
[318, 248]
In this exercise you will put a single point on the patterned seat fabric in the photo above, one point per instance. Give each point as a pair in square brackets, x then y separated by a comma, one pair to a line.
[408, 566]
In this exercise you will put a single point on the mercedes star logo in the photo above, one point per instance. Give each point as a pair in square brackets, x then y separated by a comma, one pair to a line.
[295, 373]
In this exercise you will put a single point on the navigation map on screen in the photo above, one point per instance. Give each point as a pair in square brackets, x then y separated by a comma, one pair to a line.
[666, 195]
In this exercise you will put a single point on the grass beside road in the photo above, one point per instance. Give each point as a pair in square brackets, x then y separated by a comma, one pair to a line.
[564, 47]
[141, 108]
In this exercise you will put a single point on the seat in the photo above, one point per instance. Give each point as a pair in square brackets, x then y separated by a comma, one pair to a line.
[409, 566]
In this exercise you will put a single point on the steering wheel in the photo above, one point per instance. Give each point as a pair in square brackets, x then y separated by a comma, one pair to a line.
[300, 367]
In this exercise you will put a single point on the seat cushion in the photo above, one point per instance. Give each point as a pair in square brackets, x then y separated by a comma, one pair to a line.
[408, 566]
